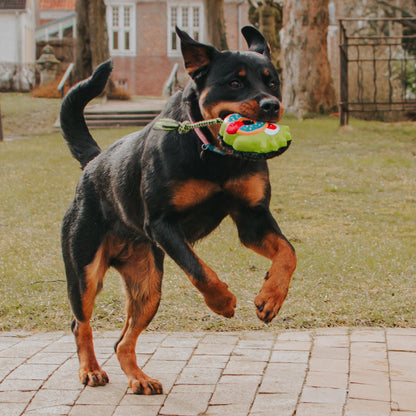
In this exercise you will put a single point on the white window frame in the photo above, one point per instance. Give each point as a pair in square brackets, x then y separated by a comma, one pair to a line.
[124, 7]
[190, 18]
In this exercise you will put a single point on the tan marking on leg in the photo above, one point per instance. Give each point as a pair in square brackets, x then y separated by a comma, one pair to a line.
[142, 281]
[215, 292]
[94, 276]
[90, 372]
[275, 288]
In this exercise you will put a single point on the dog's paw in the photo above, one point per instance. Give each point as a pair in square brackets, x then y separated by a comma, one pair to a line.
[93, 378]
[146, 386]
[268, 305]
[222, 301]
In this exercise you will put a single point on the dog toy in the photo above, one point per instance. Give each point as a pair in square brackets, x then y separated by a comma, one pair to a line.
[253, 139]
[240, 136]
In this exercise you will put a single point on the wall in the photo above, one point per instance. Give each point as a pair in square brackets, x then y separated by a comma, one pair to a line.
[8, 24]
[148, 71]
[17, 71]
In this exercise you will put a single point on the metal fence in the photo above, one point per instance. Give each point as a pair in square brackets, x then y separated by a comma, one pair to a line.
[377, 68]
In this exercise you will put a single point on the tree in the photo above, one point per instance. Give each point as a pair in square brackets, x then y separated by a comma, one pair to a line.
[307, 81]
[91, 46]
[214, 12]
[1, 127]
[267, 17]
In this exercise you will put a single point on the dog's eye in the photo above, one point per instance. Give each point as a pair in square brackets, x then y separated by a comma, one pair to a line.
[235, 83]
[273, 85]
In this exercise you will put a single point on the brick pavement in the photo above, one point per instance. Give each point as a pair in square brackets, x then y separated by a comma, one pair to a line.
[323, 372]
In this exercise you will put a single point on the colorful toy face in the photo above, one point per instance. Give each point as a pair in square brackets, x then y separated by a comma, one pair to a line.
[258, 139]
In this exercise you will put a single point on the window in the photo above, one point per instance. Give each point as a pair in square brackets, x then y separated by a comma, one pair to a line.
[121, 22]
[188, 17]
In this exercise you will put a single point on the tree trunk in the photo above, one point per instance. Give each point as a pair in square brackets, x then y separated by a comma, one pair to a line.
[91, 46]
[1, 127]
[215, 25]
[307, 81]
[83, 67]
[267, 17]
[100, 51]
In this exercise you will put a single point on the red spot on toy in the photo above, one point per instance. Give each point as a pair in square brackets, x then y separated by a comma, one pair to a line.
[233, 127]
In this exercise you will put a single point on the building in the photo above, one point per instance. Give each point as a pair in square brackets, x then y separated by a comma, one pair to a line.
[18, 21]
[143, 42]
[51, 10]
[142, 38]
[57, 20]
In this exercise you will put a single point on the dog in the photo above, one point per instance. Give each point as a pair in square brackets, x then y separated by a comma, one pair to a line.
[152, 193]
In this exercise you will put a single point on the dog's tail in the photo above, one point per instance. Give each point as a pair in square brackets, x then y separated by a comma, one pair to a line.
[74, 129]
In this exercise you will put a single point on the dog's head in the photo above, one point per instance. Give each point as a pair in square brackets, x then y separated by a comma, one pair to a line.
[234, 82]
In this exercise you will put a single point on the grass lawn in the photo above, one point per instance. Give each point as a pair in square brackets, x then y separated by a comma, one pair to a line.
[25, 115]
[345, 199]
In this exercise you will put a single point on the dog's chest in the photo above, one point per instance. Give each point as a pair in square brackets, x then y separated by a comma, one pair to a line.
[250, 190]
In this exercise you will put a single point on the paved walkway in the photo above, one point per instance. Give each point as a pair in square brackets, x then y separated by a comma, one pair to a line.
[338, 371]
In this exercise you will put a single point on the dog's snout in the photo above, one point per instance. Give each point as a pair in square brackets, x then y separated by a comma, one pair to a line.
[270, 107]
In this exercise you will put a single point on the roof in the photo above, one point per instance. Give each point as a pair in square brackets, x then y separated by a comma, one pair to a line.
[56, 4]
[12, 4]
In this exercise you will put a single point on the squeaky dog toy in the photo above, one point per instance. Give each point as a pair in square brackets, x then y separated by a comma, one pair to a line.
[240, 136]
[253, 139]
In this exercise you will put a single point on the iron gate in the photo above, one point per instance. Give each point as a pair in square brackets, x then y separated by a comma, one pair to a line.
[377, 67]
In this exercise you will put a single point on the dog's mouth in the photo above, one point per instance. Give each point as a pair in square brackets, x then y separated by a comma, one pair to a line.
[264, 118]
[253, 139]
[225, 113]
[255, 114]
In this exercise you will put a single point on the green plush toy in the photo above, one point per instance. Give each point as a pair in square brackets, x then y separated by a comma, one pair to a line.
[253, 139]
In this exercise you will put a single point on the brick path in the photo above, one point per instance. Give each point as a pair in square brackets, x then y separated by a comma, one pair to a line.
[338, 371]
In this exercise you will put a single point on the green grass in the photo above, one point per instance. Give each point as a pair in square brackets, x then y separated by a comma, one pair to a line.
[24, 115]
[345, 198]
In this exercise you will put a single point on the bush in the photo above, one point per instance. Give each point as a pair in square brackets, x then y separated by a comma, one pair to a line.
[118, 94]
[47, 91]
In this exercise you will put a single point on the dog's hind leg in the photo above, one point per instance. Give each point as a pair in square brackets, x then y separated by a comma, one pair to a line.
[82, 299]
[85, 253]
[141, 266]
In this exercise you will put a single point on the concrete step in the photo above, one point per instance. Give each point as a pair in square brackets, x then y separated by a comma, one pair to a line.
[105, 119]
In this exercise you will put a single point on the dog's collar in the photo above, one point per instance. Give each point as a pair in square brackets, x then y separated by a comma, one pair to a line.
[206, 145]
[186, 126]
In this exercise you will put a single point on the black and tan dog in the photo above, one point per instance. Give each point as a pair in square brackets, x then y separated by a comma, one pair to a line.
[152, 193]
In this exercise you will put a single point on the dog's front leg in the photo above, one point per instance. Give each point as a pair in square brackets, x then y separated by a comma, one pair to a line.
[168, 234]
[259, 231]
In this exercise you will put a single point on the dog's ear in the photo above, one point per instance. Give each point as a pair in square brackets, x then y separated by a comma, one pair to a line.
[255, 40]
[195, 55]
